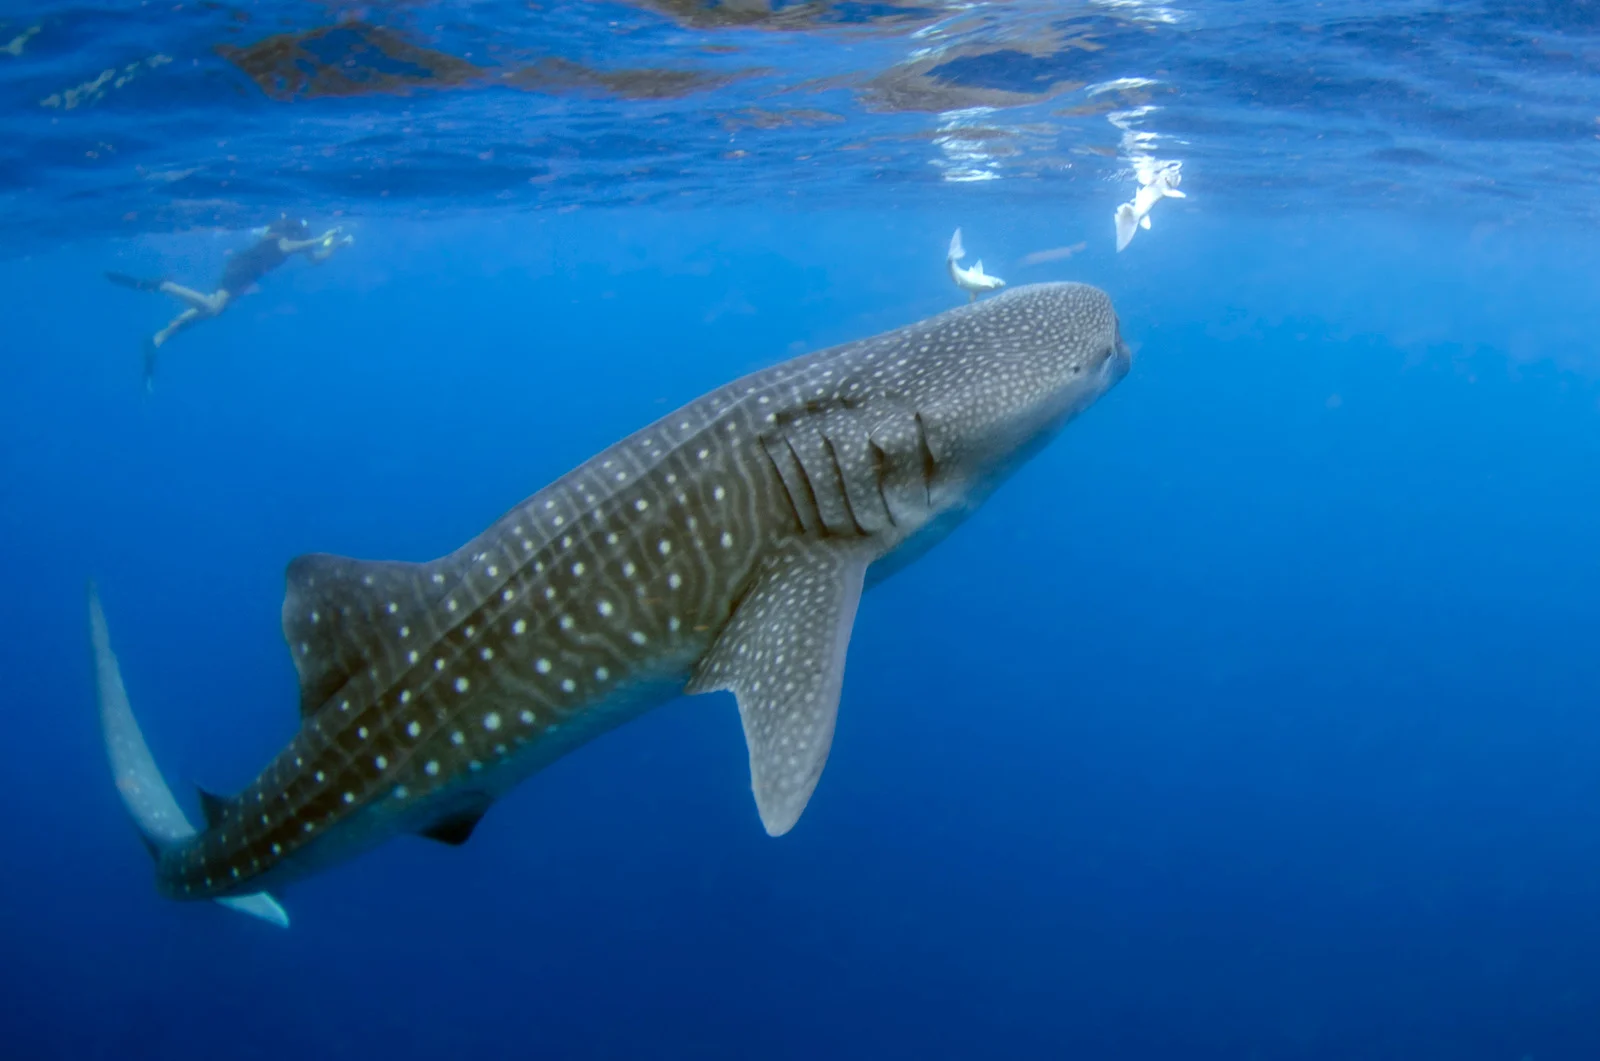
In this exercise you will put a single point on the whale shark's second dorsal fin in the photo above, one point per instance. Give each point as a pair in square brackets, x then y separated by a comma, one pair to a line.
[338, 612]
[212, 806]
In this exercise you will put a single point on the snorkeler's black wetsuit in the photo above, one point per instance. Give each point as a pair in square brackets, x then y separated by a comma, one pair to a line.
[249, 266]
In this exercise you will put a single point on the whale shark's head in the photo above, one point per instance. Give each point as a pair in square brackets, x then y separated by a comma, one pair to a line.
[999, 378]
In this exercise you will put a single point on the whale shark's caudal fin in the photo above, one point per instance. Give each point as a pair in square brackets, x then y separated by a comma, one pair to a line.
[149, 801]
[956, 251]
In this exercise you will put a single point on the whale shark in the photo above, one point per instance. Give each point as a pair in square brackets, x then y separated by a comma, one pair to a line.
[723, 548]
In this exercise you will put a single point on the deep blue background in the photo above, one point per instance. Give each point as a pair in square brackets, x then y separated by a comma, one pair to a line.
[1255, 719]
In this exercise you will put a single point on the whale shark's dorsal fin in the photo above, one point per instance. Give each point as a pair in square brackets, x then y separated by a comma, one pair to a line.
[782, 655]
[338, 611]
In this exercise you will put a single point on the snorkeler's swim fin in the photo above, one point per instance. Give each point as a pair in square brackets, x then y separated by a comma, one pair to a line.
[1127, 224]
[135, 282]
[149, 365]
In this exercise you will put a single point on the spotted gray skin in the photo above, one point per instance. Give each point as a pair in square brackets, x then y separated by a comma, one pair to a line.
[723, 547]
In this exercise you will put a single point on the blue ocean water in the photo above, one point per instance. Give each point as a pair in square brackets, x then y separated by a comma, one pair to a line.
[1254, 719]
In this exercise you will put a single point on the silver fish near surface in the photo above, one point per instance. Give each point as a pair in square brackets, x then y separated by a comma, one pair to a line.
[724, 547]
[972, 280]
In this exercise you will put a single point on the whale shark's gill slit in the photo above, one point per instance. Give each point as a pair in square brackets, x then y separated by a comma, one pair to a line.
[783, 487]
[844, 491]
[806, 484]
[880, 476]
[930, 467]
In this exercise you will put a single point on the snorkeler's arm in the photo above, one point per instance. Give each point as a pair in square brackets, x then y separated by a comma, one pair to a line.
[327, 245]
[295, 246]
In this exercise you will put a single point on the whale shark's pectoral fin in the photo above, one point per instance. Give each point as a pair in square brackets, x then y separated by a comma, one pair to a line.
[782, 655]
[1144, 222]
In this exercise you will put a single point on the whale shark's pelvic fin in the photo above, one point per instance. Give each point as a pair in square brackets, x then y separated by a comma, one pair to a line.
[457, 828]
[144, 792]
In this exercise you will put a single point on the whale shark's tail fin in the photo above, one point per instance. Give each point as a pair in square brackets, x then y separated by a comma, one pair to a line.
[149, 801]
[1127, 225]
[956, 251]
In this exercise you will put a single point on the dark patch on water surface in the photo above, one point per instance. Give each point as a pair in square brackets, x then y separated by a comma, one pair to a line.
[791, 14]
[356, 59]
[929, 85]
[350, 59]
[555, 74]
[759, 118]
[1023, 69]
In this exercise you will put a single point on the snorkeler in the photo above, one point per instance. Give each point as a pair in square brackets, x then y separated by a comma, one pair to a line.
[1155, 184]
[278, 242]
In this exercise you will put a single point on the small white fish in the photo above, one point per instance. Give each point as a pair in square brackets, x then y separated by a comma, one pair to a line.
[970, 280]
[1154, 187]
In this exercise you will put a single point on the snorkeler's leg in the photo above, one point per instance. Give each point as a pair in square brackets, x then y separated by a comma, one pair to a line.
[159, 339]
[209, 305]
[176, 325]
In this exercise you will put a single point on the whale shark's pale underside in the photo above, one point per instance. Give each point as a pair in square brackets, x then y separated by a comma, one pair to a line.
[723, 547]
